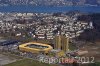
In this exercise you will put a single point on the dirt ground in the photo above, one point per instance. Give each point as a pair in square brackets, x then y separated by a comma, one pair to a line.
[93, 50]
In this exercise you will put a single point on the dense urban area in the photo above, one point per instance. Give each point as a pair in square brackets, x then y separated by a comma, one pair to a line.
[81, 31]
[41, 26]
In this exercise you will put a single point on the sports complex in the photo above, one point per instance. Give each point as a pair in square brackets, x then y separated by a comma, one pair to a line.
[35, 47]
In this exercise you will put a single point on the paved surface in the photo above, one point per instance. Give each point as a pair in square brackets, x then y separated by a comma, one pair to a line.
[6, 59]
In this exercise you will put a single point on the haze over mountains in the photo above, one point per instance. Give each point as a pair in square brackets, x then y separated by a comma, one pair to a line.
[51, 2]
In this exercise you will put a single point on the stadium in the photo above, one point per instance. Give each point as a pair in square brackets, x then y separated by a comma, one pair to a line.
[35, 47]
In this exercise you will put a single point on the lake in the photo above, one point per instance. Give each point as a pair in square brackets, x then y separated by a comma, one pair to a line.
[49, 9]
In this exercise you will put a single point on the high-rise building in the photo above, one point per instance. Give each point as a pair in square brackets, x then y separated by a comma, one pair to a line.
[57, 42]
[61, 43]
[65, 43]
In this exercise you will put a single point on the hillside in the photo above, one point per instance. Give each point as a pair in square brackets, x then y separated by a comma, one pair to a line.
[51, 2]
[91, 34]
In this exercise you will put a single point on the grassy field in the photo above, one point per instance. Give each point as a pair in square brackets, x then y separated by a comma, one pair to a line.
[72, 47]
[28, 62]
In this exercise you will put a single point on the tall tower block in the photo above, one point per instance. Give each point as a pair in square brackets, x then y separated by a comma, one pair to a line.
[57, 42]
[65, 43]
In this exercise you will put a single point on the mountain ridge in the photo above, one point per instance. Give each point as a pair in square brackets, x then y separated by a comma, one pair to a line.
[51, 2]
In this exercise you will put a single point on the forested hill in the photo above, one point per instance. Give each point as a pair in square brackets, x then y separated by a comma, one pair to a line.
[91, 34]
